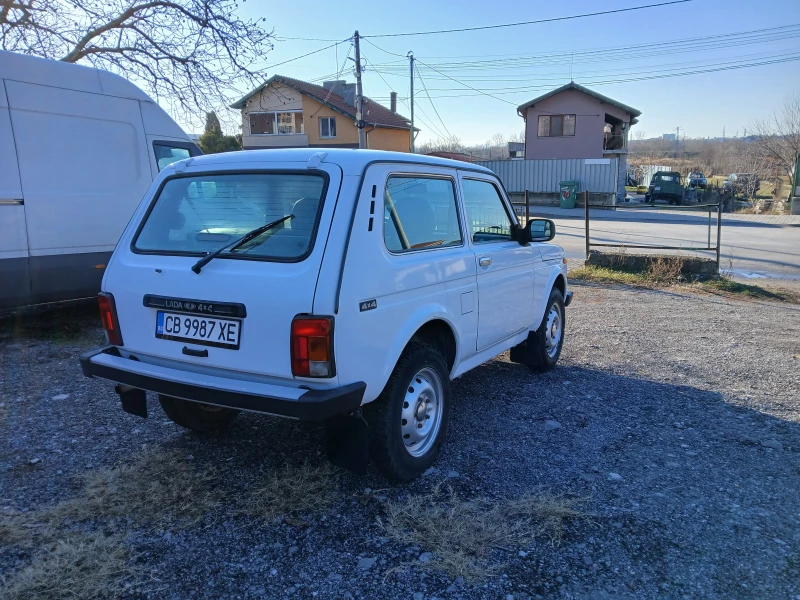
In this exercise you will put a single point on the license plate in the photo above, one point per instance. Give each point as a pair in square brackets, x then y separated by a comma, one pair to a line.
[658, 188]
[206, 331]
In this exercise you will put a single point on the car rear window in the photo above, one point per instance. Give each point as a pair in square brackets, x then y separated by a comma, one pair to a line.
[201, 213]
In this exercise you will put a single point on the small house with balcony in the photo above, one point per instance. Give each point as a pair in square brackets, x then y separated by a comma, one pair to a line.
[289, 113]
[574, 122]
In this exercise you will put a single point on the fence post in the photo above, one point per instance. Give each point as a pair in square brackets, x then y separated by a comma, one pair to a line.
[527, 207]
[586, 218]
[709, 228]
[719, 231]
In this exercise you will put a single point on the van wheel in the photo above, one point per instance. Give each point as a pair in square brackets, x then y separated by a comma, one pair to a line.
[197, 416]
[408, 421]
[549, 338]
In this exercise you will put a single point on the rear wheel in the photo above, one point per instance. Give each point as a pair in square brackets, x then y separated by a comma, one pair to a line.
[197, 416]
[408, 421]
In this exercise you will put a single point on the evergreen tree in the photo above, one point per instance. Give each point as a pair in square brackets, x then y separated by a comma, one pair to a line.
[213, 141]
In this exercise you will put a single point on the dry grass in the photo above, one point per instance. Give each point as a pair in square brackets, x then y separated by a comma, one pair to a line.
[660, 271]
[461, 534]
[663, 274]
[154, 486]
[25, 530]
[294, 490]
[82, 566]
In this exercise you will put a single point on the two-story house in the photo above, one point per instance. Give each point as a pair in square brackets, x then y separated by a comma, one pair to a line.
[575, 122]
[289, 113]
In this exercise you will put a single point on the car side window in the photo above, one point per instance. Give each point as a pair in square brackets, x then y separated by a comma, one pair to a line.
[420, 213]
[488, 220]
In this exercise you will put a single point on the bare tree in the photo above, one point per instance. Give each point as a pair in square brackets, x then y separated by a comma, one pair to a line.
[193, 53]
[639, 135]
[444, 144]
[778, 137]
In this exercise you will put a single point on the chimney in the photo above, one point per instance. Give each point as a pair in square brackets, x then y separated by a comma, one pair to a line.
[393, 105]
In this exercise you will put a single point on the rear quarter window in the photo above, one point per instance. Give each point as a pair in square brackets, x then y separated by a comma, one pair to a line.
[198, 214]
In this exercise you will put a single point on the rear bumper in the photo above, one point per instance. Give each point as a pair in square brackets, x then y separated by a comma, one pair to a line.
[295, 403]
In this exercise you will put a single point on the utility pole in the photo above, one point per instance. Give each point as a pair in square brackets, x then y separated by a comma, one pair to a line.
[362, 138]
[411, 67]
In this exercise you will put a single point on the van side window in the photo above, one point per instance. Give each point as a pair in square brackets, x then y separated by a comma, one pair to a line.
[486, 212]
[420, 213]
[166, 154]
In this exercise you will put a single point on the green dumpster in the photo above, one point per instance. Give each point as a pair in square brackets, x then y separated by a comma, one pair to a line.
[569, 190]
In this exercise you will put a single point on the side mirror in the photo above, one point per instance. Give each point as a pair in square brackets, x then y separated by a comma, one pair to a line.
[539, 230]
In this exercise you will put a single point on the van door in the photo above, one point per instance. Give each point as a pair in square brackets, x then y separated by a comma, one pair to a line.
[16, 287]
[505, 268]
[84, 169]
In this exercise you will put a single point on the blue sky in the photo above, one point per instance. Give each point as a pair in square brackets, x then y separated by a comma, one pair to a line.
[700, 104]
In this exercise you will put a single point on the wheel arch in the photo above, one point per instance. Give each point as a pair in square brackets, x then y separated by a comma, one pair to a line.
[430, 324]
[556, 279]
[439, 334]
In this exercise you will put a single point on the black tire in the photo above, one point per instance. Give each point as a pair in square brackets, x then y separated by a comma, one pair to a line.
[196, 416]
[544, 358]
[385, 415]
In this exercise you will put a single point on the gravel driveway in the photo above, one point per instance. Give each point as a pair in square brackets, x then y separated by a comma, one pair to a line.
[674, 416]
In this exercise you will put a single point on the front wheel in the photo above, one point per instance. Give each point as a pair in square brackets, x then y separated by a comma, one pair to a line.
[409, 419]
[549, 338]
[197, 416]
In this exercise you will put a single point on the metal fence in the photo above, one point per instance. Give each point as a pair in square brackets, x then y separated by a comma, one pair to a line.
[597, 176]
[712, 208]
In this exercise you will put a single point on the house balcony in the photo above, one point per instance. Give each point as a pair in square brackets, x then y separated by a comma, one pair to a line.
[615, 143]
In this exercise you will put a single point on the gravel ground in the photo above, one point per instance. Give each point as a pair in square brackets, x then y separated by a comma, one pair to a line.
[677, 416]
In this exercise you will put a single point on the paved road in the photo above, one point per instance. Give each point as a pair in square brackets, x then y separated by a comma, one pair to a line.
[752, 250]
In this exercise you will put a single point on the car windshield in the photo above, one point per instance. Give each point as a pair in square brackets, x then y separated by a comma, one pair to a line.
[665, 178]
[200, 214]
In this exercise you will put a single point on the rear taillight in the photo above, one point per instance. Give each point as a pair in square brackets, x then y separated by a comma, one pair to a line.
[108, 316]
[312, 346]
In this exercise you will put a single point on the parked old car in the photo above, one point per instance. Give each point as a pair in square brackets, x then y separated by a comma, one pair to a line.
[665, 185]
[741, 184]
[696, 179]
[342, 286]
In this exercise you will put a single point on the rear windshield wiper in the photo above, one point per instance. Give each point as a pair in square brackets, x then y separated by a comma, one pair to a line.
[196, 267]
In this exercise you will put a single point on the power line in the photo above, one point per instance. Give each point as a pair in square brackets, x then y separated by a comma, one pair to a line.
[580, 16]
[743, 38]
[430, 124]
[304, 55]
[468, 86]
[625, 72]
[425, 87]
[381, 49]
[788, 58]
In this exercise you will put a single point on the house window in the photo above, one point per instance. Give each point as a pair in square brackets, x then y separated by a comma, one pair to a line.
[262, 123]
[556, 125]
[327, 127]
[272, 123]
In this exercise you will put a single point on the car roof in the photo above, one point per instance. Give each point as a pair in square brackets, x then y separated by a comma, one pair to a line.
[349, 159]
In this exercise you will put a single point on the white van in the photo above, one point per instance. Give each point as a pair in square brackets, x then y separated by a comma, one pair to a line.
[78, 149]
[306, 284]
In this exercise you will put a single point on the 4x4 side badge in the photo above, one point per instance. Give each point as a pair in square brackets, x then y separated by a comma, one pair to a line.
[368, 305]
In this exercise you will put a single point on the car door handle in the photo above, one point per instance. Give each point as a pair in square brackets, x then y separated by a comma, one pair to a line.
[485, 261]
